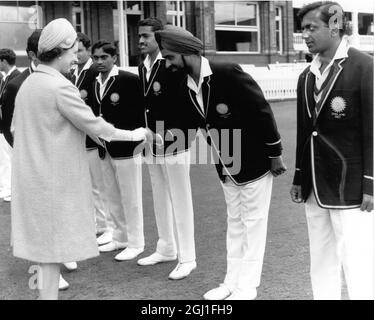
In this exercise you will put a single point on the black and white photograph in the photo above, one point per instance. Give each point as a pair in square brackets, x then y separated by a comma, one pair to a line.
[185, 155]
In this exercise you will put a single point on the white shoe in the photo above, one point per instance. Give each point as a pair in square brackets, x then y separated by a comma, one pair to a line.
[62, 283]
[113, 246]
[7, 199]
[105, 238]
[128, 254]
[182, 270]
[71, 266]
[220, 293]
[155, 258]
[247, 294]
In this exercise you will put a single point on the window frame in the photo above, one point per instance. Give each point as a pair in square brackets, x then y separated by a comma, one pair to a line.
[80, 10]
[280, 31]
[38, 24]
[237, 28]
[178, 14]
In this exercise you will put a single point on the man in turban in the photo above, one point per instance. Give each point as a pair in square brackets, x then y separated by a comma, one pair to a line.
[230, 109]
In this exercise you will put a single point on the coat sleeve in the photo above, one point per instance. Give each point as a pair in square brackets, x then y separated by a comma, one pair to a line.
[75, 110]
[367, 126]
[250, 94]
[7, 111]
[299, 132]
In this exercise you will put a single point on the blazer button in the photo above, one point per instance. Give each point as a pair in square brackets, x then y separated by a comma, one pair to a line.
[147, 110]
[315, 133]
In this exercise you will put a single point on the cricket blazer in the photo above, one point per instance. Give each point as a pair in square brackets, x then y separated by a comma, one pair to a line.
[238, 122]
[122, 106]
[85, 86]
[161, 104]
[334, 153]
[9, 96]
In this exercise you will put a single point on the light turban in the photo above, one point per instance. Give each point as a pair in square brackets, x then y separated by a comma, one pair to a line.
[58, 33]
[178, 40]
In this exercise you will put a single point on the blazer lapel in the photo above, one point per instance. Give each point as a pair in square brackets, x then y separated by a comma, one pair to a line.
[308, 88]
[195, 103]
[97, 91]
[326, 92]
[206, 94]
[108, 86]
[81, 78]
[147, 84]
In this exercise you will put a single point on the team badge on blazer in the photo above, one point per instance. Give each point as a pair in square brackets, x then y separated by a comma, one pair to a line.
[156, 88]
[83, 94]
[338, 106]
[223, 109]
[114, 98]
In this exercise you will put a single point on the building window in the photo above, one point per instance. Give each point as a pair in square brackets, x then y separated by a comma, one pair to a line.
[175, 13]
[18, 19]
[237, 26]
[278, 29]
[78, 16]
[133, 12]
[365, 24]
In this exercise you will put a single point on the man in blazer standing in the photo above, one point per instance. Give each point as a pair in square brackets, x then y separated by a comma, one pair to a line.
[169, 171]
[13, 85]
[118, 99]
[334, 155]
[84, 75]
[8, 66]
[230, 109]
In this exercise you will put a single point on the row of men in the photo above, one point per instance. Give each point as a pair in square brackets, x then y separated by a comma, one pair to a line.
[203, 94]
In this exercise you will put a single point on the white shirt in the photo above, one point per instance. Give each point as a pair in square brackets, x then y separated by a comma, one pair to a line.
[341, 52]
[112, 73]
[86, 66]
[148, 66]
[205, 71]
[32, 66]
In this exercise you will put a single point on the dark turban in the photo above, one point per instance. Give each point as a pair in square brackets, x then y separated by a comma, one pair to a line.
[178, 40]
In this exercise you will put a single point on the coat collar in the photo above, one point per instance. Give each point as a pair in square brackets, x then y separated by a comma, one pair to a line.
[309, 87]
[79, 77]
[204, 85]
[147, 84]
[109, 84]
[49, 70]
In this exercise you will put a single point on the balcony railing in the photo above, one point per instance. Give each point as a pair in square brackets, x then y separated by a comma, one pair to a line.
[365, 43]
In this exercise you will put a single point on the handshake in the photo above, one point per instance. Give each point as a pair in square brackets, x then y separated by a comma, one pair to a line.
[147, 136]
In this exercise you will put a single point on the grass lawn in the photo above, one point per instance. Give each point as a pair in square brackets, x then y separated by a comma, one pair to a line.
[286, 263]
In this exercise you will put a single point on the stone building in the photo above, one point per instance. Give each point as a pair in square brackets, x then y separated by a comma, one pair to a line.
[246, 32]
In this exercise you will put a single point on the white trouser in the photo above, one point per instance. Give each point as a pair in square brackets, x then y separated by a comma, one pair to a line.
[5, 164]
[123, 181]
[102, 216]
[340, 238]
[172, 198]
[247, 217]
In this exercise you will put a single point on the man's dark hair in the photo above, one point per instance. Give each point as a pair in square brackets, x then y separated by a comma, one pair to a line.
[326, 13]
[107, 47]
[155, 23]
[84, 39]
[33, 40]
[9, 55]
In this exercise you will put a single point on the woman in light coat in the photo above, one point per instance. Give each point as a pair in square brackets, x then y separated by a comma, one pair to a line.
[51, 208]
